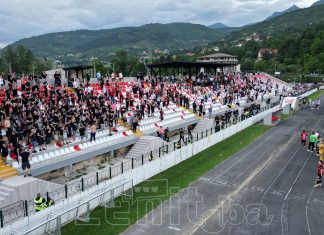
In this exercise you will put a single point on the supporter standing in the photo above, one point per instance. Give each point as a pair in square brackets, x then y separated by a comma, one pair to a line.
[312, 139]
[303, 137]
[321, 149]
[1, 81]
[25, 156]
[4, 152]
[93, 129]
[82, 131]
[320, 167]
[135, 123]
[181, 137]
[166, 135]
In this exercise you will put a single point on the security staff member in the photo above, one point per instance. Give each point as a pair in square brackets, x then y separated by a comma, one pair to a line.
[39, 202]
[49, 202]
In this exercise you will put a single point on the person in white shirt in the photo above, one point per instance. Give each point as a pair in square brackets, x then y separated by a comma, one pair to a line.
[75, 84]
[1, 81]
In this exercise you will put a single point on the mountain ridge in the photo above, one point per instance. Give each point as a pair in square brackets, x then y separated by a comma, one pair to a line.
[218, 25]
[279, 13]
[102, 43]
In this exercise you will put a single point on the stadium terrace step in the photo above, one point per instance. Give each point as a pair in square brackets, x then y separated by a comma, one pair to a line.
[190, 111]
[6, 171]
[203, 125]
[139, 134]
[8, 175]
[144, 145]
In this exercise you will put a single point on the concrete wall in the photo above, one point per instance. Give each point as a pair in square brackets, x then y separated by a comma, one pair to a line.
[308, 93]
[26, 188]
[138, 174]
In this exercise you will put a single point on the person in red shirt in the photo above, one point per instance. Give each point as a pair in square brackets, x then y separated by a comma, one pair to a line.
[303, 137]
[320, 167]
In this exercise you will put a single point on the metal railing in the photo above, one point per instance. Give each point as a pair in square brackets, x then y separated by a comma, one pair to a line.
[20, 209]
[54, 222]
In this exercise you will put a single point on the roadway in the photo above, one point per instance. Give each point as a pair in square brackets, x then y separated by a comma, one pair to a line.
[267, 188]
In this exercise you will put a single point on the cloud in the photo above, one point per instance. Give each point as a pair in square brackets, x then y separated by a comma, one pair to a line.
[21, 18]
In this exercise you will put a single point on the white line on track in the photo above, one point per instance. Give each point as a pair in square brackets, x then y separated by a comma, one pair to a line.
[245, 155]
[255, 162]
[173, 228]
[275, 179]
[285, 199]
[308, 227]
[236, 192]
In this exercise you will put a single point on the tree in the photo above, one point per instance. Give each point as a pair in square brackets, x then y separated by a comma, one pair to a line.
[120, 61]
[247, 65]
[23, 61]
[260, 66]
[128, 65]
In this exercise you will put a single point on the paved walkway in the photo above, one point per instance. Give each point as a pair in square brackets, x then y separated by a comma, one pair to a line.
[267, 188]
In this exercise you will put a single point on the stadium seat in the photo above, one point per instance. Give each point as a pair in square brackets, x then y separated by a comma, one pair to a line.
[15, 165]
[40, 158]
[46, 156]
[57, 153]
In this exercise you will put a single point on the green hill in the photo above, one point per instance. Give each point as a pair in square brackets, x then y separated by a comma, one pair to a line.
[291, 22]
[81, 44]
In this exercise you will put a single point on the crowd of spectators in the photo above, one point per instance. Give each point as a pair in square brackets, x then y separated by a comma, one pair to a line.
[38, 115]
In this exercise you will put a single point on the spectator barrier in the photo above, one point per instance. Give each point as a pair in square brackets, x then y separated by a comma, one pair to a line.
[137, 169]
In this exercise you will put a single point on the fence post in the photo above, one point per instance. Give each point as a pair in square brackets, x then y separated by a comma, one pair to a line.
[167, 149]
[47, 196]
[97, 177]
[197, 137]
[202, 134]
[1, 219]
[211, 131]
[151, 156]
[142, 159]
[66, 191]
[132, 163]
[26, 208]
[109, 172]
[206, 133]
[82, 184]
[159, 152]
[122, 167]
[58, 225]
[174, 146]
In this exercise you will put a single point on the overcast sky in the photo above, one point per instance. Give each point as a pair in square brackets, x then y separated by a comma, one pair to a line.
[25, 18]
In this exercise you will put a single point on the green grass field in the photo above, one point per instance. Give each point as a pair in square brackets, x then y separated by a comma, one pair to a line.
[316, 95]
[177, 177]
[284, 117]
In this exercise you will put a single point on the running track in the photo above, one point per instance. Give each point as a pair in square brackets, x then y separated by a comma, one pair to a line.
[267, 188]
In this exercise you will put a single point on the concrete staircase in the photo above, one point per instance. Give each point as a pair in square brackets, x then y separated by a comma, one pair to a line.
[6, 191]
[6, 171]
[203, 125]
[144, 145]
